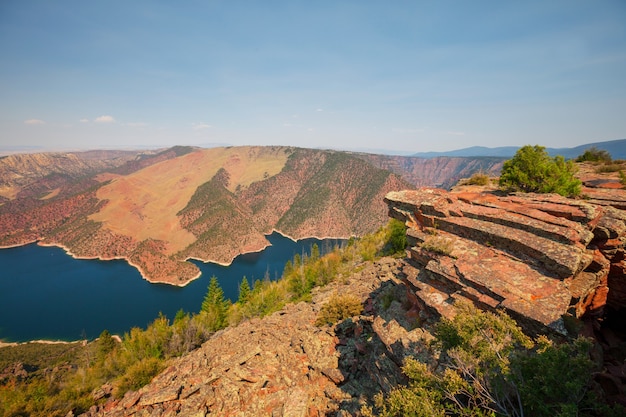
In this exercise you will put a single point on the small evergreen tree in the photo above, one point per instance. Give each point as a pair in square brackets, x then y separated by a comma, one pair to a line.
[533, 170]
[105, 344]
[315, 252]
[215, 306]
[244, 291]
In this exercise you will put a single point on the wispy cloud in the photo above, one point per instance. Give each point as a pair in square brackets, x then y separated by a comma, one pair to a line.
[84, 120]
[200, 126]
[34, 122]
[105, 119]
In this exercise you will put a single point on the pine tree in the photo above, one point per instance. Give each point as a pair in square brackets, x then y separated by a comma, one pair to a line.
[215, 305]
[244, 291]
[315, 252]
[106, 344]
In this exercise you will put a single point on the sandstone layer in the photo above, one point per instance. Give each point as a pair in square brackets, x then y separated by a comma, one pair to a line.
[540, 257]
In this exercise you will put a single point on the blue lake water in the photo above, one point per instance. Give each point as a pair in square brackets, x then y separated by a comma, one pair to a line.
[46, 294]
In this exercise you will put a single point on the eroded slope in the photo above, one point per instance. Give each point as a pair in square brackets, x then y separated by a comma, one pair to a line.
[207, 204]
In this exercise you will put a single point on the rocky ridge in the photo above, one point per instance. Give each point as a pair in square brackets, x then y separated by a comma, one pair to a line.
[556, 265]
[284, 365]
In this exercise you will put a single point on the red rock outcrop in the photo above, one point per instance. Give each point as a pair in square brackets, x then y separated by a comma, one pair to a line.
[540, 257]
[284, 365]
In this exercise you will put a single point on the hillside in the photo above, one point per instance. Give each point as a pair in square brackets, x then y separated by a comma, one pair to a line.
[555, 265]
[159, 210]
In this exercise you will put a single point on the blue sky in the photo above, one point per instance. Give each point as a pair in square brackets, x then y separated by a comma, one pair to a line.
[405, 76]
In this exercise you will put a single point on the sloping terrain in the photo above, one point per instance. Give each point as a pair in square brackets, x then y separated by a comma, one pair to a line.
[38, 175]
[207, 204]
[285, 365]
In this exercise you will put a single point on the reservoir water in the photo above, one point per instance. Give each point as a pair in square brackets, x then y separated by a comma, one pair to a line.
[46, 294]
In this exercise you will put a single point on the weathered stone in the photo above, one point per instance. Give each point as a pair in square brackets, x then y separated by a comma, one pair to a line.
[532, 254]
[102, 392]
[169, 393]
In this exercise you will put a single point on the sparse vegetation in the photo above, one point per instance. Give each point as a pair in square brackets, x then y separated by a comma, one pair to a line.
[606, 168]
[491, 368]
[143, 353]
[479, 178]
[338, 308]
[594, 154]
[438, 244]
[533, 170]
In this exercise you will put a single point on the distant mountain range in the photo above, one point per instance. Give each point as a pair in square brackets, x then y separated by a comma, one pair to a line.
[617, 149]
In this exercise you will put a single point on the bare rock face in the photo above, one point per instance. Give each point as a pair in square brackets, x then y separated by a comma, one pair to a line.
[540, 257]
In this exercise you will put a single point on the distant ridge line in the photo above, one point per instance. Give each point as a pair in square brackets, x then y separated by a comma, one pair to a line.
[617, 149]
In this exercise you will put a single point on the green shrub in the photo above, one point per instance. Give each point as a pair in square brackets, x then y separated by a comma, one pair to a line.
[533, 170]
[338, 308]
[594, 154]
[420, 398]
[138, 375]
[395, 241]
[491, 368]
[479, 178]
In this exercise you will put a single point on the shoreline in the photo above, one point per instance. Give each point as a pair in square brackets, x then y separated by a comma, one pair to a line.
[84, 342]
[43, 243]
[4, 343]
[42, 342]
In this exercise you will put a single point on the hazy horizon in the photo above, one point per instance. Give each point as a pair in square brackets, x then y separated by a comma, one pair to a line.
[401, 77]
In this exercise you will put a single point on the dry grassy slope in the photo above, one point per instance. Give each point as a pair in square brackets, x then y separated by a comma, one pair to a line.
[157, 211]
[145, 204]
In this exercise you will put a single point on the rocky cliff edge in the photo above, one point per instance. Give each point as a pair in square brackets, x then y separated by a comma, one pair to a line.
[555, 264]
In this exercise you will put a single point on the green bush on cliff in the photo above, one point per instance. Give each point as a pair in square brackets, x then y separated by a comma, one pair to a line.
[533, 170]
[338, 308]
[491, 368]
[594, 154]
[395, 238]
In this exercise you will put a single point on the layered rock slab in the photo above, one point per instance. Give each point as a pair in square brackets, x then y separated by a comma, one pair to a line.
[537, 256]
